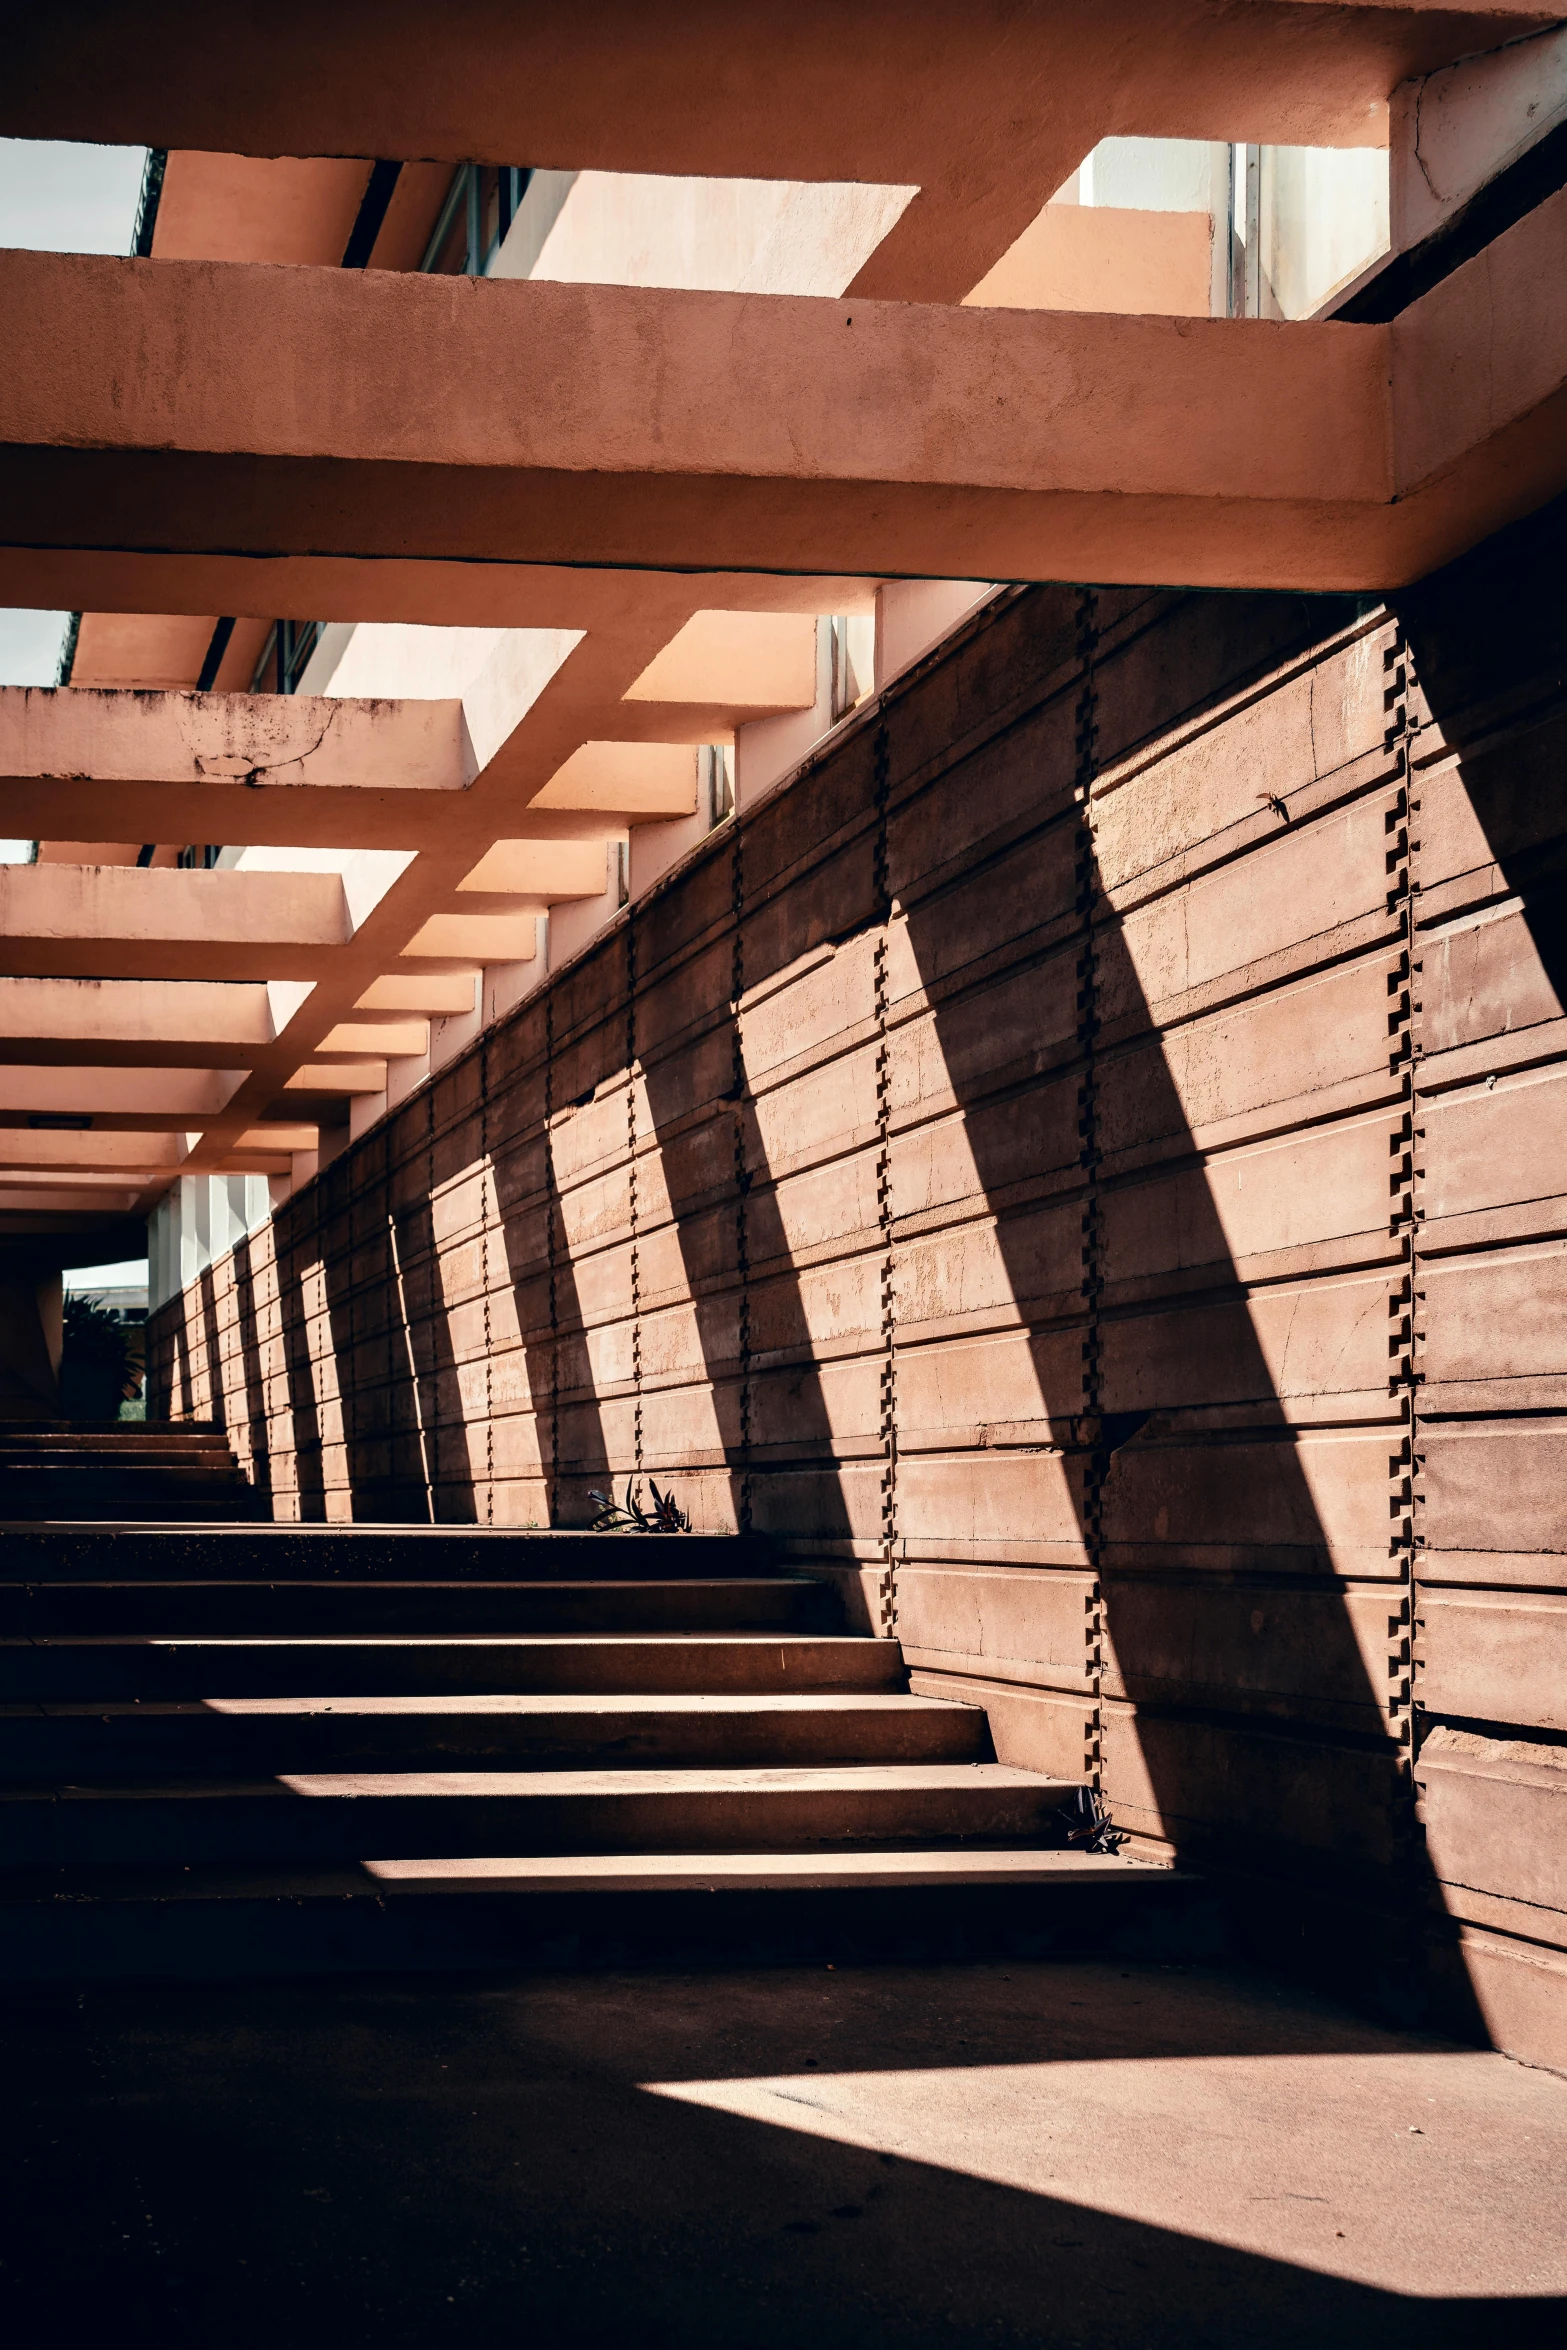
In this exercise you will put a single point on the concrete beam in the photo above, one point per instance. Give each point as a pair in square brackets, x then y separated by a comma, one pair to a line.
[399, 1039]
[291, 771]
[115, 921]
[129, 1156]
[435, 993]
[986, 128]
[337, 1077]
[186, 1023]
[542, 870]
[164, 1098]
[612, 425]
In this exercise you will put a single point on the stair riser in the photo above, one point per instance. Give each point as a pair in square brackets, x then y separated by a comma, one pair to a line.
[1163, 1917]
[93, 1752]
[348, 1554]
[120, 1459]
[109, 1671]
[168, 1504]
[171, 1830]
[345, 1608]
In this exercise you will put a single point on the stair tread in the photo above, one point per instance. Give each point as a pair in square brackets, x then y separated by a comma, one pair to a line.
[541, 1705]
[545, 1873]
[352, 1642]
[739, 1779]
[620, 1589]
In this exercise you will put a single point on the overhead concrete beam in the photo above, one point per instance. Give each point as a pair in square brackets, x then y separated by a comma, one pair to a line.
[181, 1098]
[435, 993]
[31, 1205]
[622, 783]
[340, 1077]
[116, 921]
[752, 664]
[188, 1023]
[477, 938]
[264, 742]
[539, 869]
[276, 1136]
[613, 425]
[125, 1154]
[986, 126]
[169, 766]
[395, 1038]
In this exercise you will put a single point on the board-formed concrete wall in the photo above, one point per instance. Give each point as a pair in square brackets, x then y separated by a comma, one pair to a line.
[1084, 1159]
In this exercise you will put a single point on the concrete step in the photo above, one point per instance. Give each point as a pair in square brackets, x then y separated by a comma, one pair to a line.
[718, 1603]
[112, 1553]
[15, 1430]
[98, 1470]
[343, 1816]
[249, 1736]
[174, 1496]
[118, 1436]
[137, 1468]
[741, 1907]
[651, 1663]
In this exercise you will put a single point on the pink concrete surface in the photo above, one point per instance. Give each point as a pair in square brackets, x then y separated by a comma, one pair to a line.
[1056, 2154]
[704, 429]
[986, 129]
[1076, 257]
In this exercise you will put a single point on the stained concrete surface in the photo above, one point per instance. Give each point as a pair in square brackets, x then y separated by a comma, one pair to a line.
[1025, 2153]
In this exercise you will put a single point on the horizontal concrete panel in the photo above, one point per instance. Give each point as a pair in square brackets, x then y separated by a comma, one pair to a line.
[998, 1270]
[1288, 891]
[1273, 1054]
[1035, 1497]
[1029, 1616]
[1494, 1657]
[1335, 1654]
[1190, 796]
[1016, 1385]
[1495, 1487]
[1014, 1026]
[1326, 1184]
[1495, 1815]
[1201, 1784]
[809, 1008]
[1484, 977]
[1322, 1494]
[1490, 1145]
[1500, 1318]
[823, 1208]
[1324, 1338]
[977, 1155]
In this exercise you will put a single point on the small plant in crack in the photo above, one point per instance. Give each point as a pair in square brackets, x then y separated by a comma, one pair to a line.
[632, 1517]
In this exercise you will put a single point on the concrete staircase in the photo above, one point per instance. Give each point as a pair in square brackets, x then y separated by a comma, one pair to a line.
[111, 1469]
[253, 1748]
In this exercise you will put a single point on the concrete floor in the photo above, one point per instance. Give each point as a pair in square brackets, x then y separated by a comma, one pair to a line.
[1027, 2153]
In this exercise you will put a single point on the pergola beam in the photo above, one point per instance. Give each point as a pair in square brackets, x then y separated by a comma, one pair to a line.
[113, 921]
[880, 92]
[613, 425]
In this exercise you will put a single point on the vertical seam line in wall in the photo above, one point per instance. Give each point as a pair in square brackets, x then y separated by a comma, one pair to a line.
[432, 1469]
[743, 1503]
[1405, 1303]
[1095, 1459]
[631, 1189]
[486, 1185]
[882, 886]
[552, 1484]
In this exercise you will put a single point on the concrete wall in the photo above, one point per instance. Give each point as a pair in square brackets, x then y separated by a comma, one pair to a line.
[1031, 1163]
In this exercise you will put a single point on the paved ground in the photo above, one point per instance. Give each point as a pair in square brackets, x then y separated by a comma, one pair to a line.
[1043, 2154]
